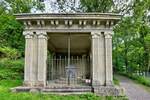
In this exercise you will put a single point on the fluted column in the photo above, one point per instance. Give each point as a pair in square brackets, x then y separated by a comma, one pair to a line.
[30, 68]
[30, 73]
[35, 60]
[95, 63]
[94, 50]
[42, 58]
[28, 58]
[108, 58]
[98, 65]
[101, 59]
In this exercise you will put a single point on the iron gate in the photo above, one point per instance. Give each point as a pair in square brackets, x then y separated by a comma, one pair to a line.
[77, 73]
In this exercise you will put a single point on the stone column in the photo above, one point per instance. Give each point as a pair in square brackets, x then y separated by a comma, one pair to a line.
[28, 58]
[35, 60]
[108, 58]
[42, 58]
[30, 70]
[98, 59]
[95, 65]
[101, 59]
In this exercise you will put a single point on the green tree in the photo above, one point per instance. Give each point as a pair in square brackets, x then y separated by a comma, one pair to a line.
[11, 32]
[96, 5]
[134, 34]
[10, 29]
[22, 6]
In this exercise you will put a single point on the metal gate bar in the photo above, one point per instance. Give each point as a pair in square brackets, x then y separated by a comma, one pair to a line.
[78, 71]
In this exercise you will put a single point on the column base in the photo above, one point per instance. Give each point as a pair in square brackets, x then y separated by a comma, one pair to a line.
[34, 83]
[29, 83]
[109, 91]
[96, 83]
[41, 83]
[109, 83]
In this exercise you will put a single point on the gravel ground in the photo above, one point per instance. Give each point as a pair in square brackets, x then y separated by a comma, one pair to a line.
[133, 90]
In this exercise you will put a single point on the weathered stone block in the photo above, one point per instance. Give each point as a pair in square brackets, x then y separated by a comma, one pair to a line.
[109, 90]
[34, 90]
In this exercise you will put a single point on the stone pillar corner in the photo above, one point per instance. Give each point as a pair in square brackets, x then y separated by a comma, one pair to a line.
[42, 57]
[108, 58]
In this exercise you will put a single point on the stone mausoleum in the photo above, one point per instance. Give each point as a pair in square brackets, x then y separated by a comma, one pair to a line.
[69, 52]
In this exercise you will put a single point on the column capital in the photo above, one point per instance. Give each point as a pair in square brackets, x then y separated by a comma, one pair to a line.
[28, 34]
[41, 34]
[108, 35]
[95, 34]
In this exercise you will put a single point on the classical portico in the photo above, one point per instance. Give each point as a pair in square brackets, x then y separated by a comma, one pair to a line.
[57, 44]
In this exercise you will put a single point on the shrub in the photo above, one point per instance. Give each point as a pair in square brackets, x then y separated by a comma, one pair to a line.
[7, 52]
[11, 69]
[8, 74]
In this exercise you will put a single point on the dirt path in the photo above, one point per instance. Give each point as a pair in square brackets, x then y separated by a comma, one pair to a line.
[133, 90]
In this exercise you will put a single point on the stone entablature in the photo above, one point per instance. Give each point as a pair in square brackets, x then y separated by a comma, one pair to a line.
[70, 22]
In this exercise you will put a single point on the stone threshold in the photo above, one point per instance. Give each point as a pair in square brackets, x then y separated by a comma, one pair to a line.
[99, 90]
[52, 89]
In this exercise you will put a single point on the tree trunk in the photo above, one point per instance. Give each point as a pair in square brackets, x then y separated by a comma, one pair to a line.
[126, 57]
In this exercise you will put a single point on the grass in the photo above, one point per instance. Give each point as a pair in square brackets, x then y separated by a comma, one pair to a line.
[116, 81]
[6, 94]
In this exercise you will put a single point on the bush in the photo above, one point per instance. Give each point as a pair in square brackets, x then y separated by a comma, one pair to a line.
[144, 80]
[11, 69]
[7, 52]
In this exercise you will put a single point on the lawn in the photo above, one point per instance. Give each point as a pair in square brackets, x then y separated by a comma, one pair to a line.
[6, 94]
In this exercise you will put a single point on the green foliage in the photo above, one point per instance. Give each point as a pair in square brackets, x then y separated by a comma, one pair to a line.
[7, 52]
[116, 81]
[11, 69]
[10, 83]
[131, 51]
[10, 29]
[22, 6]
[96, 5]
[85, 5]
[11, 33]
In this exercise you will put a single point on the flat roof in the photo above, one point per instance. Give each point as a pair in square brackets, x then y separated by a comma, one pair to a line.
[44, 16]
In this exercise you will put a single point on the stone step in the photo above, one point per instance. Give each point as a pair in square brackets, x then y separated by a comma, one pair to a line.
[46, 90]
[68, 87]
[61, 82]
[64, 81]
[55, 90]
